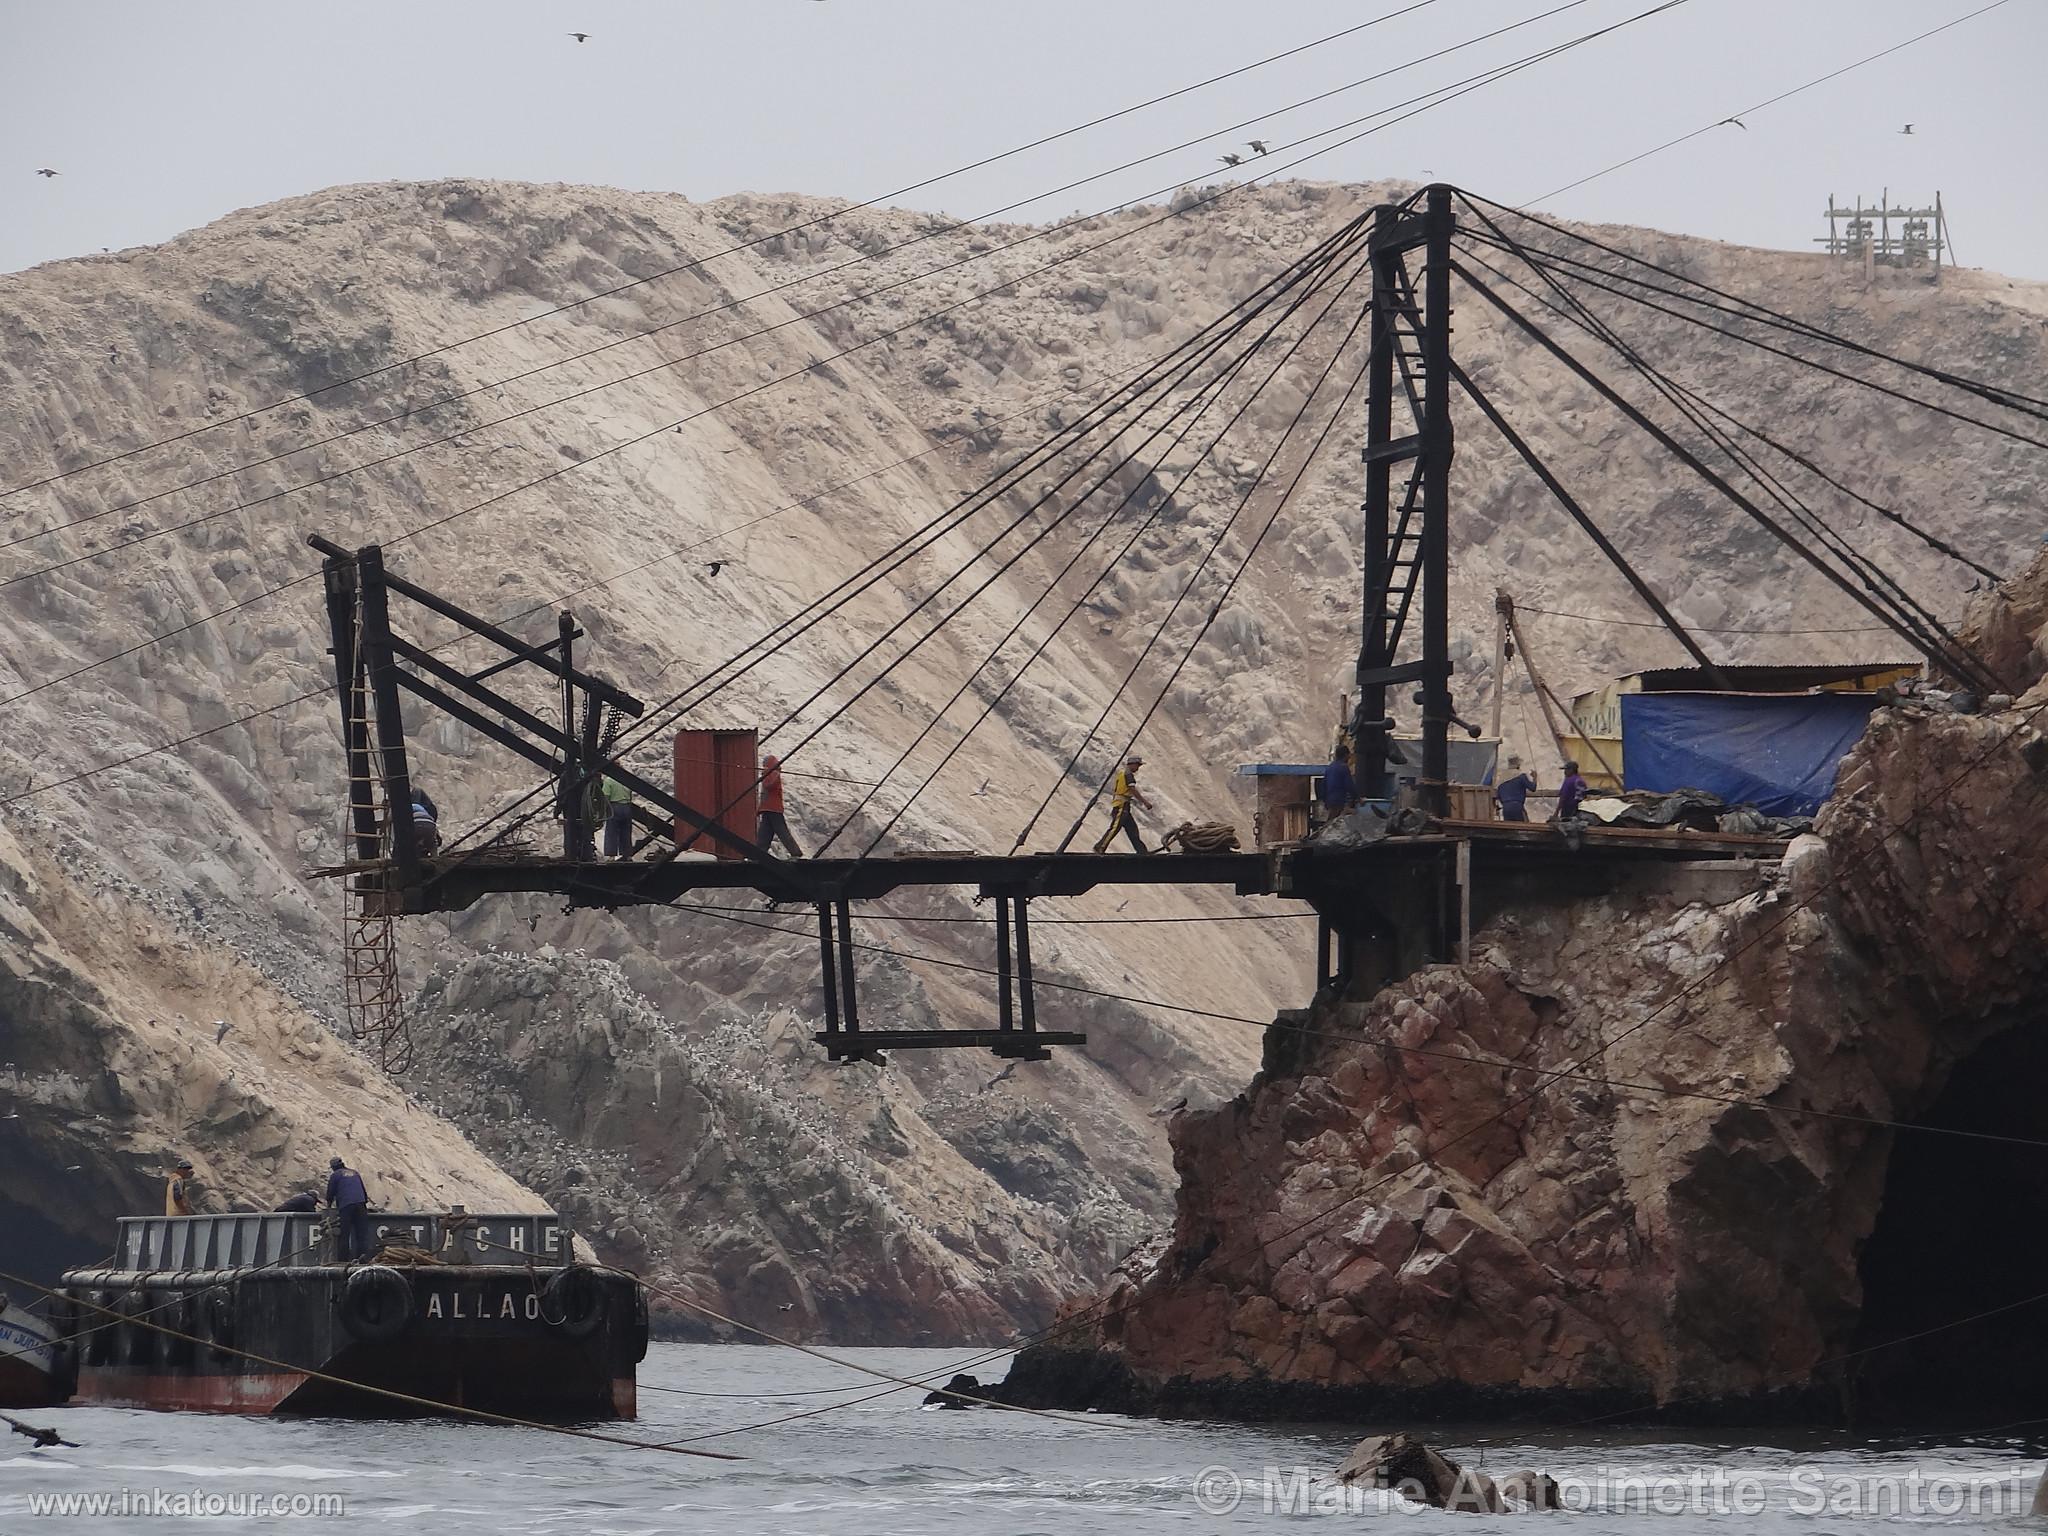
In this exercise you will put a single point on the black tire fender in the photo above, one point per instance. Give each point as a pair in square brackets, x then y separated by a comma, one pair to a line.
[138, 1341]
[182, 1317]
[574, 1301]
[64, 1380]
[376, 1303]
[101, 1327]
[640, 1331]
[217, 1313]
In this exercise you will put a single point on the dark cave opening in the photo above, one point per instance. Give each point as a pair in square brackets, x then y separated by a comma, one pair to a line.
[39, 1250]
[1962, 1231]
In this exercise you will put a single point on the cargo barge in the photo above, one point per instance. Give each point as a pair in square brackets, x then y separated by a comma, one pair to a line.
[253, 1315]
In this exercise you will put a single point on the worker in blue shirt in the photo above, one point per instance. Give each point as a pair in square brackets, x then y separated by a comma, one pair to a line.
[351, 1205]
[1337, 790]
[1513, 794]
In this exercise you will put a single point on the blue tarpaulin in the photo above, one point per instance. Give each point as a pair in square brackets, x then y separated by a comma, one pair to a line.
[1776, 752]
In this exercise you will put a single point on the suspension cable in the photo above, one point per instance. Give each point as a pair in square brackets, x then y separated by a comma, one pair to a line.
[990, 706]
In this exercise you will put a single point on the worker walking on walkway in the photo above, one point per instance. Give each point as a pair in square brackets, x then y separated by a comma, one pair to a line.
[618, 818]
[1123, 790]
[350, 1203]
[774, 825]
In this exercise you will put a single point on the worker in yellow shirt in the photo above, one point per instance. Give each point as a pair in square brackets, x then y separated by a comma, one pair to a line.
[1123, 790]
[178, 1190]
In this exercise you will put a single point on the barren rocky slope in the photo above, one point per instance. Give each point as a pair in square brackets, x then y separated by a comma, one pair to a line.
[1669, 1153]
[940, 1199]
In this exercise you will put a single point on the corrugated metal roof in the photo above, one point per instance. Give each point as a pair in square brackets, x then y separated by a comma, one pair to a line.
[1763, 679]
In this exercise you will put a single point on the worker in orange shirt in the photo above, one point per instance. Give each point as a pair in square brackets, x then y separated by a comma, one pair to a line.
[774, 826]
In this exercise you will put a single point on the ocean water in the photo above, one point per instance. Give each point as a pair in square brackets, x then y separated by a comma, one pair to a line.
[859, 1463]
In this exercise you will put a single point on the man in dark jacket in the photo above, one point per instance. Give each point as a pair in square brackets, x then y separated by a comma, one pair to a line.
[351, 1206]
[1337, 789]
[1513, 793]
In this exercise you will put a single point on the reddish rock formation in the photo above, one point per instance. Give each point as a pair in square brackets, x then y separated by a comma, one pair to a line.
[1406, 1212]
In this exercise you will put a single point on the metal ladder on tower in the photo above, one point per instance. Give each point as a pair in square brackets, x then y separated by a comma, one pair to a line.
[371, 999]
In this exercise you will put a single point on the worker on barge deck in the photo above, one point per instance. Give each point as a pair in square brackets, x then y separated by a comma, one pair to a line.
[350, 1202]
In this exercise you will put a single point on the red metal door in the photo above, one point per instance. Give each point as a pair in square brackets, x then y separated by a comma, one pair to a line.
[715, 776]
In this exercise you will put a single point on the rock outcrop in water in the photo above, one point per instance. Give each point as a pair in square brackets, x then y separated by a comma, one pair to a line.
[1641, 1152]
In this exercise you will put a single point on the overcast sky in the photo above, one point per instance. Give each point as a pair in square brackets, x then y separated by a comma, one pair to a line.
[160, 116]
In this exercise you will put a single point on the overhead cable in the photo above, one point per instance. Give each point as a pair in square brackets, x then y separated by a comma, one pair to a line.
[792, 229]
[1444, 95]
[456, 435]
[1768, 102]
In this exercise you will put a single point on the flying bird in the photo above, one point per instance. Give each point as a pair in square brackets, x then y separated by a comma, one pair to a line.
[1738, 122]
[46, 171]
[1907, 129]
[220, 1030]
[715, 567]
[984, 788]
[581, 37]
[1231, 159]
[347, 283]
[1259, 146]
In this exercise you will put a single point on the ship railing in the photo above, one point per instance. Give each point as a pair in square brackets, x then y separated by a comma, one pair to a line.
[293, 1238]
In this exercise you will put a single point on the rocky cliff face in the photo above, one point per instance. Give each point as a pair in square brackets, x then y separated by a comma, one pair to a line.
[1658, 1151]
[133, 1036]
[963, 1199]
